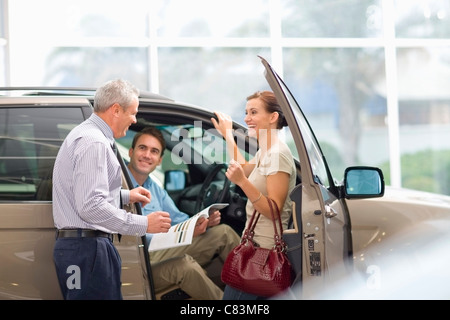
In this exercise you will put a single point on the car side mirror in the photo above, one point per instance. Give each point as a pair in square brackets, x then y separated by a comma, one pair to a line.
[363, 182]
[175, 180]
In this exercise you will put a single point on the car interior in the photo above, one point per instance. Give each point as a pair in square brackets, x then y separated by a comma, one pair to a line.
[193, 173]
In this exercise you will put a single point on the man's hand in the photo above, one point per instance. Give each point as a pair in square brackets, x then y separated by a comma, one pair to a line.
[202, 223]
[214, 218]
[140, 195]
[158, 221]
[200, 226]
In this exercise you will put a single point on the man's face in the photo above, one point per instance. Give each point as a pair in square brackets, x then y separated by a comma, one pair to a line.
[125, 119]
[146, 155]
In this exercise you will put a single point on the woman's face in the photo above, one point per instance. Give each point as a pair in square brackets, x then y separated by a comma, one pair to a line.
[257, 118]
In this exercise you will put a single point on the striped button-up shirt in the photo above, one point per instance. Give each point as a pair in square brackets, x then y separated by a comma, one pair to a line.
[87, 183]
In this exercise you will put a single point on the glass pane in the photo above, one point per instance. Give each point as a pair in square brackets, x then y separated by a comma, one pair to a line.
[422, 18]
[199, 18]
[3, 14]
[331, 19]
[29, 142]
[2, 65]
[318, 167]
[84, 66]
[338, 90]
[424, 116]
[214, 78]
[73, 19]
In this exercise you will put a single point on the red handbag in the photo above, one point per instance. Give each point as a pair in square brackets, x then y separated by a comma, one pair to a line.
[259, 271]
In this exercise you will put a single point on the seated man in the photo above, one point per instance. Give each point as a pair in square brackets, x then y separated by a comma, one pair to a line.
[211, 238]
[185, 272]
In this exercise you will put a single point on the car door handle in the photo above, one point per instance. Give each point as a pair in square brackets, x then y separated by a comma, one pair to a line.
[330, 212]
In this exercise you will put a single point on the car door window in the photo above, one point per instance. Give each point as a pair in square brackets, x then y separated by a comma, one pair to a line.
[319, 172]
[29, 142]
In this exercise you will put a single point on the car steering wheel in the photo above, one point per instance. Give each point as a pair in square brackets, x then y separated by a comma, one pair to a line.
[210, 193]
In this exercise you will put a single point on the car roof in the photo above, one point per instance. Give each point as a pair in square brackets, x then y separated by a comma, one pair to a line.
[42, 101]
[49, 96]
[66, 91]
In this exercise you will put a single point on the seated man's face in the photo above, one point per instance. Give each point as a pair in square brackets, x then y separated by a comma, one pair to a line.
[145, 156]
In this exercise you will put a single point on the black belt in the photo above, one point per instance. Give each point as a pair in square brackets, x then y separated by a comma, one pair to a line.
[83, 233]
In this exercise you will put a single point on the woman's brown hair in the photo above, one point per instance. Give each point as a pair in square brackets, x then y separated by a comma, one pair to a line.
[271, 105]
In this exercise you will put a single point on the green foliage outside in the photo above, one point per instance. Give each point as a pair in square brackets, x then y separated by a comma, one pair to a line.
[426, 170]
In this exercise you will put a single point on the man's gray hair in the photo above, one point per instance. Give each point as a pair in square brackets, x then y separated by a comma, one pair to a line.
[118, 91]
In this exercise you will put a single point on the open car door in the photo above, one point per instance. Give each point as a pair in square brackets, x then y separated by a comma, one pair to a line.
[320, 234]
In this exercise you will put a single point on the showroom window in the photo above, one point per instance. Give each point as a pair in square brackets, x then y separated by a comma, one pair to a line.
[4, 74]
[373, 86]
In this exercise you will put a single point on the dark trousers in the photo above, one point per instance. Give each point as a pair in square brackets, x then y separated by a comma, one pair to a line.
[88, 268]
[230, 293]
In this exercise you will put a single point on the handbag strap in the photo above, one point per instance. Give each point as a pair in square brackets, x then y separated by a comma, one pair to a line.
[249, 231]
[279, 243]
[272, 205]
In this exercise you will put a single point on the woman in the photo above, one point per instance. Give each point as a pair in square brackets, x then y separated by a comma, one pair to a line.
[271, 173]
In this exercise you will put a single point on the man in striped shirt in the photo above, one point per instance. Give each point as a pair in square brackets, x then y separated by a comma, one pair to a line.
[87, 194]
